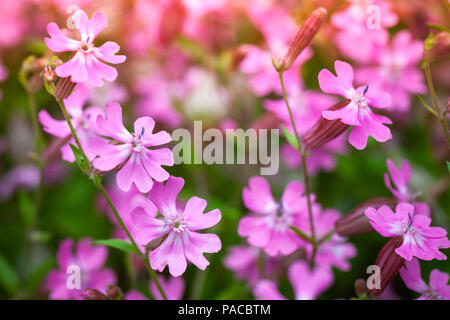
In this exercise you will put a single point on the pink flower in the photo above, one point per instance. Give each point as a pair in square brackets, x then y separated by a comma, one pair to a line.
[419, 239]
[334, 252]
[86, 65]
[307, 284]
[268, 226]
[131, 151]
[438, 289]
[83, 121]
[182, 242]
[395, 70]
[243, 260]
[400, 178]
[173, 288]
[358, 112]
[90, 260]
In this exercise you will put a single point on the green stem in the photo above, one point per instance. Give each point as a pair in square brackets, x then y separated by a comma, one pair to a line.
[34, 121]
[102, 190]
[302, 152]
[440, 114]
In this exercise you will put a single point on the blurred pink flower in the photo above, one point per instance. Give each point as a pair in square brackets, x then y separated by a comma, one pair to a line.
[358, 112]
[243, 261]
[268, 225]
[438, 289]
[400, 178]
[395, 70]
[90, 259]
[358, 35]
[182, 242]
[131, 152]
[307, 284]
[26, 177]
[12, 22]
[83, 121]
[86, 65]
[173, 288]
[419, 239]
[334, 252]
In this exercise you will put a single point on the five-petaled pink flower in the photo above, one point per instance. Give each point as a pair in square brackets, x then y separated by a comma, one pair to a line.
[438, 288]
[87, 262]
[131, 151]
[86, 64]
[182, 242]
[358, 112]
[419, 239]
[268, 226]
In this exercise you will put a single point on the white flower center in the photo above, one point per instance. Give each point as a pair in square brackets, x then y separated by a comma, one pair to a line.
[87, 47]
[177, 224]
[279, 220]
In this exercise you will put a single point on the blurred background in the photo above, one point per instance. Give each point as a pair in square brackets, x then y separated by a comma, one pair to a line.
[211, 61]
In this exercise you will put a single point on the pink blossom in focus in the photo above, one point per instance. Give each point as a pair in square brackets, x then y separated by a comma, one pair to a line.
[358, 112]
[139, 163]
[395, 70]
[269, 222]
[438, 289]
[90, 259]
[419, 239]
[86, 65]
[182, 243]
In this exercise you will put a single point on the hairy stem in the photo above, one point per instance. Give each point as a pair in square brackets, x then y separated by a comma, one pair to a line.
[102, 190]
[302, 152]
[440, 114]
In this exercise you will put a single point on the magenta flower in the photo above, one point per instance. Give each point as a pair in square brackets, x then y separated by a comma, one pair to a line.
[400, 178]
[243, 261]
[83, 121]
[307, 284]
[131, 151]
[358, 112]
[182, 242]
[396, 70]
[268, 225]
[173, 288]
[438, 289]
[86, 65]
[90, 260]
[419, 239]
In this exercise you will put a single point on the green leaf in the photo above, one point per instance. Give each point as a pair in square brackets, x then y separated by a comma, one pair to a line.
[427, 106]
[301, 234]
[448, 166]
[8, 276]
[26, 208]
[81, 162]
[290, 137]
[118, 244]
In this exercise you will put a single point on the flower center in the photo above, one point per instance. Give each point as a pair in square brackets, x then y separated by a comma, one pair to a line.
[137, 143]
[177, 224]
[360, 99]
[408, 228]
[87, 47]
[279, 220]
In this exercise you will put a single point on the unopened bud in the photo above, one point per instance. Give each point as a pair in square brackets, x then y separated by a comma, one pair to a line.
[361, 287]
[48, 74]
[437, 46]
[389, 263]
[152, 245]
[64, 88]
[356, 222]
[303, 37]
[325, 130]
[114, 292]
[93, 294]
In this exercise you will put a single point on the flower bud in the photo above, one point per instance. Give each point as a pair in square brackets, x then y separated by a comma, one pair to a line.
[93, 294]
[356, 221]
[64, 88]
[114, 292]
[48, 74]
[389, 263]
[360, 287]
[303, 38]
[437, 46]
[325, 130]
